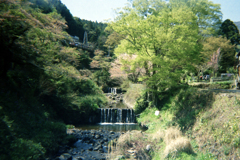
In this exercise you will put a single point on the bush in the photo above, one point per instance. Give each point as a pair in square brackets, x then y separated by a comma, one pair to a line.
[141, 103]
[26, 149]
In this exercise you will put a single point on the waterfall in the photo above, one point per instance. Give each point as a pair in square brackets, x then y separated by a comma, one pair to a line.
[131, 120]
[127, 117]
[108, 115]
[112, 115]
[120, 115]
[112, 90]
[104, 115]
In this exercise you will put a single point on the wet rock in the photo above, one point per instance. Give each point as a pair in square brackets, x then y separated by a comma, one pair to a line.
[105, 149]
[90, 149]
[97, 148]
[65, 156]
[78, 158]
[97, 136]
[90, 145]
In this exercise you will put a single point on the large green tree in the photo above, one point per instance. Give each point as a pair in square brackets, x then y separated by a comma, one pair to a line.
[164, 36]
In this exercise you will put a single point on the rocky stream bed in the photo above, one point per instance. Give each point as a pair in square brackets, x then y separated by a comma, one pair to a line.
[90, 145]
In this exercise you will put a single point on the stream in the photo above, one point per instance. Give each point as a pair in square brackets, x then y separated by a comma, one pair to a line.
[109, 124]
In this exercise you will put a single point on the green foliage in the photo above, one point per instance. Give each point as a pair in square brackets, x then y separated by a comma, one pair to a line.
[218, 61]
[26, 149]
[76, 26]
[163, 38]
[102, 77]
[141, 103]
[126, 84]
[133, 92]
[115, 82]
[181, 106]
[207, 156]
[84, 61]
[216, 85]
[40, 85]
[229, 30]
[221, 85]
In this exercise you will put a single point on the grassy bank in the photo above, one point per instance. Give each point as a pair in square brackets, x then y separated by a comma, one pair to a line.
[192, 124]
[133, 92]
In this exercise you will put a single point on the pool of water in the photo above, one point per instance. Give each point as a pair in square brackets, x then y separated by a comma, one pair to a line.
[116, 127]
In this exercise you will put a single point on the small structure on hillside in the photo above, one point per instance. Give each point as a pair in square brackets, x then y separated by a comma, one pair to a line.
[238, 70]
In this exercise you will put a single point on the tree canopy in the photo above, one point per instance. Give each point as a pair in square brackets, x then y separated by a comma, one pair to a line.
[40, 82]
[229, 30]
[218, 54]
[165, 36]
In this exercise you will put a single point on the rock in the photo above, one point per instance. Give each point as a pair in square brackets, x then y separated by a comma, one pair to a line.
[105, 149]
[97, 136]
[65, 156]
[148, 147]
[131, 151]
[105, 139]
[97, 148]
[78, 158]
[91, 144]
[90, 149]
[127, 155]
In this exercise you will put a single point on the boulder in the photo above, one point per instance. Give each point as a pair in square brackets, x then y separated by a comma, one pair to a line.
[65, 156]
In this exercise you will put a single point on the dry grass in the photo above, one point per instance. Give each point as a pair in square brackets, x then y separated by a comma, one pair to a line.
[217, 128]
[172, 134]
[180, 144]
[158, 136]
[135, 141]
[176, 142]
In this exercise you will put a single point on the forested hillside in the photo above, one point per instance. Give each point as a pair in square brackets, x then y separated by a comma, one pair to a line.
[76, 26]
[41, 88]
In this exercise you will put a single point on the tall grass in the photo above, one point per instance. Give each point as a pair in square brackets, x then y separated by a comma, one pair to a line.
[207, 124]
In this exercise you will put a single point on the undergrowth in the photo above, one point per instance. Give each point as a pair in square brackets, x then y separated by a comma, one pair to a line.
[207, 124]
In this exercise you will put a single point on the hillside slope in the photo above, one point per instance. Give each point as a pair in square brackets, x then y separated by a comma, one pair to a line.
[192, 124]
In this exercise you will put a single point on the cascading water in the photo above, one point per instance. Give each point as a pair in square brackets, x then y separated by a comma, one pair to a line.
[109, 115]
[127, 117]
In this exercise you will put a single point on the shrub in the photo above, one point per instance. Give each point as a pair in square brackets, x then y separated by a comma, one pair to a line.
[141, 103]
[26, 149]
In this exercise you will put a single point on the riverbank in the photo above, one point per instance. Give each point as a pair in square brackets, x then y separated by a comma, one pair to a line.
[192, 124]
